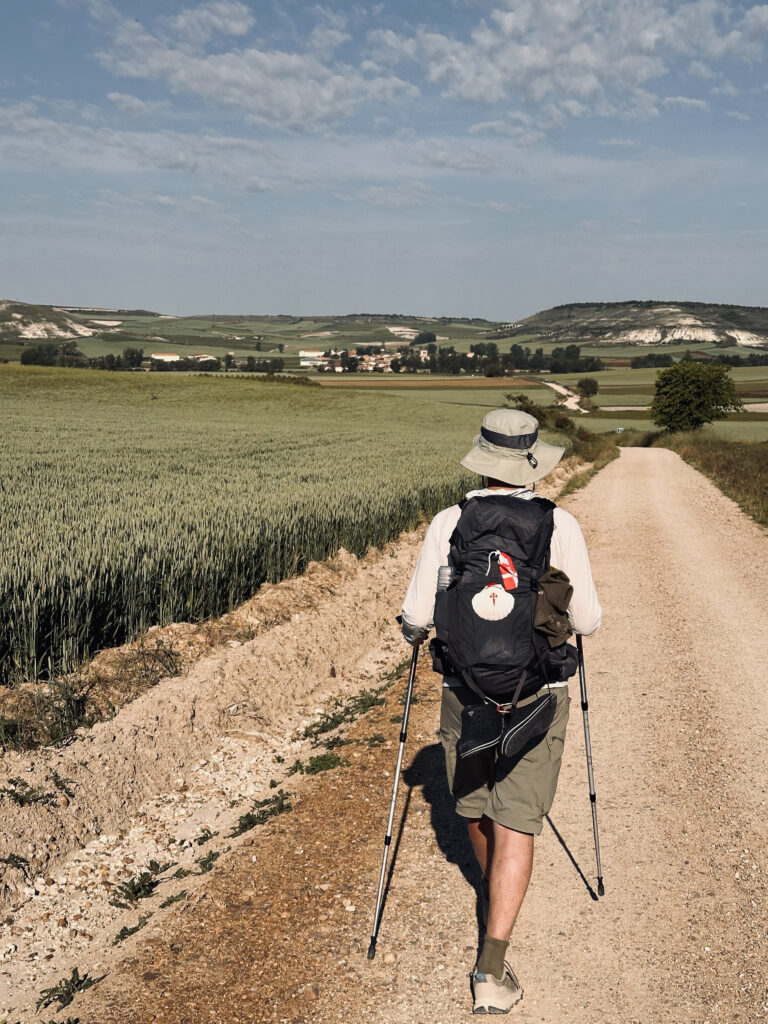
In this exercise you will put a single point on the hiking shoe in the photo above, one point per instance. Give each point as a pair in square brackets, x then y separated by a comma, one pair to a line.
[494, 995]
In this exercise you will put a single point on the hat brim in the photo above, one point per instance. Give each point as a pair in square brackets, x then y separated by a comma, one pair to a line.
[509, 465]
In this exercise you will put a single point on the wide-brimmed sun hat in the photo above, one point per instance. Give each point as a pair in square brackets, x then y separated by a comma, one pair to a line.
[508, 448]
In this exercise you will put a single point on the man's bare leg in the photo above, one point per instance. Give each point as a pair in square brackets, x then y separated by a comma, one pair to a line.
[510, 872]
[481, 836]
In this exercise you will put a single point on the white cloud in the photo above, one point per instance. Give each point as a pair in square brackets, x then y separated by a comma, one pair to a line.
[685, 103]
[330, 34]
[620, 143]
[193, 205]
[516, 125]
[138, 107]
[700, 70]
[586, 56]
[294, 90]
[737, 115]
[410, 193]
[197, 26]
[725, 89]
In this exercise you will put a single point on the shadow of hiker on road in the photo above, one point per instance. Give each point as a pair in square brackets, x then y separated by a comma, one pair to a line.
[427, 770]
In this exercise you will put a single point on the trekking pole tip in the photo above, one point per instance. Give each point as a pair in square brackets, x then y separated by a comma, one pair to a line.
[372, 949]
[600, 887]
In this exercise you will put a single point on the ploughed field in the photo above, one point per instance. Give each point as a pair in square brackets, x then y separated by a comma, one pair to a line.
[129, 500]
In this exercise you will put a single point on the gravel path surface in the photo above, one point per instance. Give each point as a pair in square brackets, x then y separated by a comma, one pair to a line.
[278, 931]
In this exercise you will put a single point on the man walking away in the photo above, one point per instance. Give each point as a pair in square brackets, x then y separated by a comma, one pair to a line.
[503, 800]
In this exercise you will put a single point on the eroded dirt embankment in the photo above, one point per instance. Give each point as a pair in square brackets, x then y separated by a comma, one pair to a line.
[258, 689]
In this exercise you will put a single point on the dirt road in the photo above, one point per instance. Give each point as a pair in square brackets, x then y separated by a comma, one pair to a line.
[679, 718]
[572, 399]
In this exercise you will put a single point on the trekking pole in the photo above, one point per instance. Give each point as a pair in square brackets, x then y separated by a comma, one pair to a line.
[590, 773]
[388, 837]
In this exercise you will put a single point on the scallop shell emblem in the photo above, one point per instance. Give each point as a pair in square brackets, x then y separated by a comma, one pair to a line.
[493, 602]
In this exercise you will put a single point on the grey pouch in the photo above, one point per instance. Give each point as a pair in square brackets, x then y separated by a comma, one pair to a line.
[522, 725]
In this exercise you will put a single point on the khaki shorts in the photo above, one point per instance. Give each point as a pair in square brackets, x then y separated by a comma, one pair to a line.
[517, 793]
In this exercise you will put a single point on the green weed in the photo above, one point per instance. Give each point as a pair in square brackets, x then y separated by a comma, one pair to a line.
[21, 793]
[62, 784]
[206, 863]
[177, 898]
[318, 763]
[141, 887]
[125, 932]
[344, 711]
[262, 811]
[204, 837]
[64, 991]
[14, 861]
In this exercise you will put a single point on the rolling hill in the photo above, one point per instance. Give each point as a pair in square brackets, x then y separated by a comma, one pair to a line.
[643, 323]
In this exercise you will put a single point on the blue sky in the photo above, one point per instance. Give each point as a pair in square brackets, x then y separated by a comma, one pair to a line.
[461, 157]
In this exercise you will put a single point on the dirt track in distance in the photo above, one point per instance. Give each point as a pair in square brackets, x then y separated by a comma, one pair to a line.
[679, 716]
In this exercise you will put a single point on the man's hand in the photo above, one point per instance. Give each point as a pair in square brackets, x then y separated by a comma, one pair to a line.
[414, 634]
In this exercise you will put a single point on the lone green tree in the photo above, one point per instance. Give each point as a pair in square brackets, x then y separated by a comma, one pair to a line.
[690, 394]
[588, 386]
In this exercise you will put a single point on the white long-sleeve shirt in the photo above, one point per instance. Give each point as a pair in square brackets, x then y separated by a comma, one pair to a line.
[568, 551]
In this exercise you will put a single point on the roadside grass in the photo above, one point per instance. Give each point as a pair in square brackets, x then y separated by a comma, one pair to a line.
[740, 470]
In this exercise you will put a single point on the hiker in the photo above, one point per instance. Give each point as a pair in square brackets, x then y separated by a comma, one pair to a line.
[503, 800]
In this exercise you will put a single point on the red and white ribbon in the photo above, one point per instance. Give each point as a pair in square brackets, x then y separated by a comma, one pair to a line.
[506, 568]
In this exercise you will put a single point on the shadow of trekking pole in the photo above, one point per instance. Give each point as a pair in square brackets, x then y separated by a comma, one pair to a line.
[571, 858]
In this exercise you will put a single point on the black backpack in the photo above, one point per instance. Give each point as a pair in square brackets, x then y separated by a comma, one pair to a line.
[484, 619]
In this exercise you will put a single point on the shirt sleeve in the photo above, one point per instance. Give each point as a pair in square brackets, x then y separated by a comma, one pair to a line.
[569, 553]
[419, 603]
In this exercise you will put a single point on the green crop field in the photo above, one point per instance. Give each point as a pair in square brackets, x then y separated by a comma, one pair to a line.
[240, 333]
[134, 499]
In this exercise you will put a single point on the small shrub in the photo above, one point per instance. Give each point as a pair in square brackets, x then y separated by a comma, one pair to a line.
[127, 894]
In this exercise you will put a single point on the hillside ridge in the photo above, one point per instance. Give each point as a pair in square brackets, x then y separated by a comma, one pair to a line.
[640, 322]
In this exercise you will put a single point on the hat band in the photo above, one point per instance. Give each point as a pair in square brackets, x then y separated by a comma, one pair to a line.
[519, 441]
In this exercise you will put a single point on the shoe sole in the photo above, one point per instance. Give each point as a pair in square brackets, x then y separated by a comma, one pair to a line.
[496, 1010]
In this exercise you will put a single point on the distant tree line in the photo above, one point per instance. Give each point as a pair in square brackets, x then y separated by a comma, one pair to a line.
[485, 358]
[66, 353]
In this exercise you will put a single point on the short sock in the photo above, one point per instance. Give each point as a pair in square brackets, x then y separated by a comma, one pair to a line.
[492, 957]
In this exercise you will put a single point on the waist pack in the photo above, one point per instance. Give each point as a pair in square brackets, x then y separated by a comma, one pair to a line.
[511, 729]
